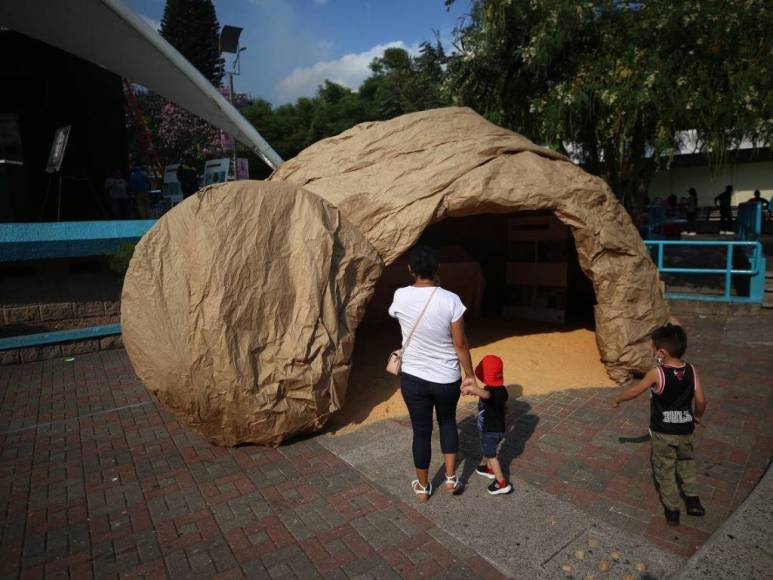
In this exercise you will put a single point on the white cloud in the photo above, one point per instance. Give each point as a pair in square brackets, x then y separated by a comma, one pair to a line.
[350, 71]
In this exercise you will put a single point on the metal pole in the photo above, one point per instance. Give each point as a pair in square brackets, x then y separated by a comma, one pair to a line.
[59, 204]
[233, 139]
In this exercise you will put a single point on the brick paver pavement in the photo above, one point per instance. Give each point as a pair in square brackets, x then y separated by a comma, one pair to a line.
[98, 482]
[574, 445]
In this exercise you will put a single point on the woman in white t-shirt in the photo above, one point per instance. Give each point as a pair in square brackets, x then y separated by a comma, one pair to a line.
[431, 375]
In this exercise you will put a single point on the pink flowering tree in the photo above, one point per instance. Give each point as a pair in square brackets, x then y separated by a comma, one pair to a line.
[179, 134]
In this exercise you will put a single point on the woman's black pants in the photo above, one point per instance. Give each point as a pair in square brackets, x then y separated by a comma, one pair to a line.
[422, 397]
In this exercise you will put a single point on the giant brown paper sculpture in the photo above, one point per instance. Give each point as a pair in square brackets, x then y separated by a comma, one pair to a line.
[393, 179]
[239, 310]
[241, 304]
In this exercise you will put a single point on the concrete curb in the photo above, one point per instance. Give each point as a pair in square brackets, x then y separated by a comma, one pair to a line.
[527, 534]
[742, 547]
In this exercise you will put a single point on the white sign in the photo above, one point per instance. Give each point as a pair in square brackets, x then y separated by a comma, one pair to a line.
[216, 171]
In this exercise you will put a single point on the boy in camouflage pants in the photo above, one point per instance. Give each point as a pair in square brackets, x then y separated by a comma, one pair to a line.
[674, 385]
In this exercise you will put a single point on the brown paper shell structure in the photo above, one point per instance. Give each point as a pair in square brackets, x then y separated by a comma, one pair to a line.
[240, 305]
[393, 179]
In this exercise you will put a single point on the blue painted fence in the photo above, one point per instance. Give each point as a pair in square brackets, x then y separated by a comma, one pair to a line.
[748, 222]
[755, 272]
[35, 241]
[59, 336]
[38, 241]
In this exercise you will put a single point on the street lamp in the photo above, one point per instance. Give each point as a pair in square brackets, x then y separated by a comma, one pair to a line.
[229, 43]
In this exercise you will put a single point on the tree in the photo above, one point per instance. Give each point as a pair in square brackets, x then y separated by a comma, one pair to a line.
[617, 81]
[181, 135]
[400, 83]
[191, 26]
[403, 84]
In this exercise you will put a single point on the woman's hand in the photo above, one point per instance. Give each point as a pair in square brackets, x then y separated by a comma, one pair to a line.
[469, 382]
[468, 385]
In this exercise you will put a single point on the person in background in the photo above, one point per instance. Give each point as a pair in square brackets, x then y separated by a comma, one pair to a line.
[724, 200]
[139, 184]
[186, 176]
[682, 211]
[118, 191]
[759, 199]
[674, 386]
[692, 211]
[671, 206]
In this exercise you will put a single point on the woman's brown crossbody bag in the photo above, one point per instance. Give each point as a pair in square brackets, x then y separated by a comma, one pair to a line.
[395, 361]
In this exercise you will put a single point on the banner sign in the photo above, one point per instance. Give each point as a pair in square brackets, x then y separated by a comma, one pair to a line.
[58, 147]
[216, 171]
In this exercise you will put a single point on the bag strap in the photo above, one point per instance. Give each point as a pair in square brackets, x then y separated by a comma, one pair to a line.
[416, 324]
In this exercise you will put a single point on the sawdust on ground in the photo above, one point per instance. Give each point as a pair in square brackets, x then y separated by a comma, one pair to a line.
[539, 359]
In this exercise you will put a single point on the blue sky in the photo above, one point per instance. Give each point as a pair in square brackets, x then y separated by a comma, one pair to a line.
[293, 45]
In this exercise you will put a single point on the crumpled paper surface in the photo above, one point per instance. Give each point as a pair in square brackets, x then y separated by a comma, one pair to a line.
[240, 306]
[392, 179]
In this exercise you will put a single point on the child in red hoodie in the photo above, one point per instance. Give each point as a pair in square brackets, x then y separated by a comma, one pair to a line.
[491, 419]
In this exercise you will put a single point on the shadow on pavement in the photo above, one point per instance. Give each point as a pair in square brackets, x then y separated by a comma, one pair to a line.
[521, 423]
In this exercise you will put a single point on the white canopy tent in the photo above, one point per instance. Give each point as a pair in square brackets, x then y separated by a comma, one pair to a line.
[110, 35]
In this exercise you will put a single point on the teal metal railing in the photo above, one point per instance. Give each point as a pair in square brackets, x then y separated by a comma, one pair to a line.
[40, 241]
[59, 336]
[74, 239]
[748, 222]
[747, 252]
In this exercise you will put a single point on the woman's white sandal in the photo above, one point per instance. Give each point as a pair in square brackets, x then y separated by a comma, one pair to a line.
[421, 492]
[452, 483]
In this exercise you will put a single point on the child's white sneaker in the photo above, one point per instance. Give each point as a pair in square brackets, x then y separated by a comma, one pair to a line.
[496, 489]
[485, 471]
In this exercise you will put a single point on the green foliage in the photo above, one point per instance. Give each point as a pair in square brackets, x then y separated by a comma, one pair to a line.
[118, 261]
[618, 80]
[191, 27]
[399, 84]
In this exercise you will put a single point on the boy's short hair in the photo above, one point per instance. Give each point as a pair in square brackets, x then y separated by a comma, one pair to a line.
[671, 338]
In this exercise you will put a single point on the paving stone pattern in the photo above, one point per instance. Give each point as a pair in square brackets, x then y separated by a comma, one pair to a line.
[574, 445]
[742, 547]
[88, 491]
[96, 481]
[573, 448]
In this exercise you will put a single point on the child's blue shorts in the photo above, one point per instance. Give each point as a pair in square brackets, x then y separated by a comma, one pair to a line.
[489, 442]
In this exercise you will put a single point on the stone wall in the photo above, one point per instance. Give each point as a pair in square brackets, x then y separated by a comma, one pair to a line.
[64, 349]
[33, 315]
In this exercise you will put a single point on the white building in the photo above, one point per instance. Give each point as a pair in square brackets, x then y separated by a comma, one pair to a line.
[749, 167]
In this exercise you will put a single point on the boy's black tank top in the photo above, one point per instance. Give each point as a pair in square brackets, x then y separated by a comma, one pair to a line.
[671, 403]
